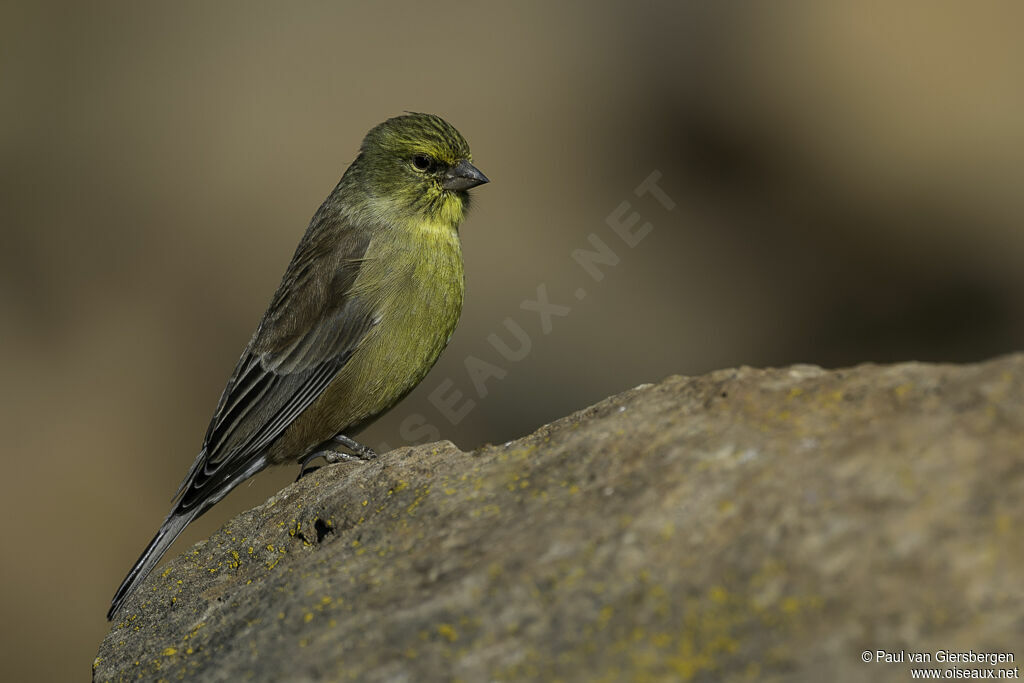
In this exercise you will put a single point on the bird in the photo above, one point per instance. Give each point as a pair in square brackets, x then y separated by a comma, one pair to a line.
[368, 302]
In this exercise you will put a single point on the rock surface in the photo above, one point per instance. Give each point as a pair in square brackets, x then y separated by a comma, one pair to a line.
[766, 525]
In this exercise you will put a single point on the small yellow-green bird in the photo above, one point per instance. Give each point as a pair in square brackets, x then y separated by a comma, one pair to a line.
[367, 304]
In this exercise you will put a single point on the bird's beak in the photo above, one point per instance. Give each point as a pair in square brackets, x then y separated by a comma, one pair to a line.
[463, 176]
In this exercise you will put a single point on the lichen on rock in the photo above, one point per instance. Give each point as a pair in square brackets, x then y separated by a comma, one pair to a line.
[743, 525]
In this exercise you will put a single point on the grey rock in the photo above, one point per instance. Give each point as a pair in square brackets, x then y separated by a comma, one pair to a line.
[746, 525]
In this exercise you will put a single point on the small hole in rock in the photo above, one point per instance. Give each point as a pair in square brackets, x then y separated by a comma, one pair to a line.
[322, 529]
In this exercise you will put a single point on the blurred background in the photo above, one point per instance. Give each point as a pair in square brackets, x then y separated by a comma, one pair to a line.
[846, 179]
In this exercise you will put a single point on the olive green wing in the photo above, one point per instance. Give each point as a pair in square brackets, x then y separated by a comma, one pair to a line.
[308, 334]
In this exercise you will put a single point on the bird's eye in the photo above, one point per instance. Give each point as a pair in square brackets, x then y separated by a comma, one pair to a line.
[421, 162]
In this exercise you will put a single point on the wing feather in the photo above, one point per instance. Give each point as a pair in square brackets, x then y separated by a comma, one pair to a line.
[312, 328]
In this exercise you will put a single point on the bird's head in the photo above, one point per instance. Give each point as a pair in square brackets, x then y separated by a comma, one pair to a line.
[418, 165]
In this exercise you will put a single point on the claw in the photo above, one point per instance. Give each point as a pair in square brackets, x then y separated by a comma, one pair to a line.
[360, 453]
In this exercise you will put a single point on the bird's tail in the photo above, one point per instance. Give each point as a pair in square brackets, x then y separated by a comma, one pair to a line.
[169, 530]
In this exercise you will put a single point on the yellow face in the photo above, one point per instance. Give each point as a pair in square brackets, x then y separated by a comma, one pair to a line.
[417, 169]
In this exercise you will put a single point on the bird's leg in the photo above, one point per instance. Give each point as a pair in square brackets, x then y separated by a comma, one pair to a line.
[325, 450]
[359, 451]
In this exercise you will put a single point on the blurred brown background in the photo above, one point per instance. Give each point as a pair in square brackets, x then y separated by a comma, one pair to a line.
[847, 180]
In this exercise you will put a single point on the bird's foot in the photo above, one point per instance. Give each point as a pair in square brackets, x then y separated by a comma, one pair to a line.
[360, 453]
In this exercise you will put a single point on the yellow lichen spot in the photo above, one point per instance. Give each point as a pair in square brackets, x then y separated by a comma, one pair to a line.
[449, 491]
[280, 615]
[355, 543]
[410, 653]
[726, 506]
[366, 502]
[718, 594]
[307, 617]
[168, 651]
[790, 605]
[326, 600]
[794, 392]
[447, 631]
[605, 616]
[332, 623]
[902, 390]
[573, 490]
[188, 651]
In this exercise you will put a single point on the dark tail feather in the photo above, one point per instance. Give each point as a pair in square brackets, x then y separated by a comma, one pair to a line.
[169, 530]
